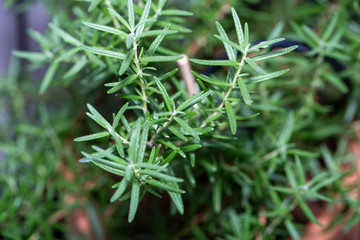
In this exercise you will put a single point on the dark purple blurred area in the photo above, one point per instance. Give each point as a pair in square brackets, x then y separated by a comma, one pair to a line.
[13, 30]
[13, 35]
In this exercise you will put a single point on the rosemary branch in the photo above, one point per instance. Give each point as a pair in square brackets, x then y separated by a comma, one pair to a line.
[232, 85]
[139, 72]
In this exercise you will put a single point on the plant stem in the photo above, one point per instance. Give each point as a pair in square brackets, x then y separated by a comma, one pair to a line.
[139, 72]
[137, 63]
[232, 85]
[159, 130]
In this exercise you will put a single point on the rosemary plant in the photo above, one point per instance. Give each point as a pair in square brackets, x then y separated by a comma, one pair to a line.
[167, 126]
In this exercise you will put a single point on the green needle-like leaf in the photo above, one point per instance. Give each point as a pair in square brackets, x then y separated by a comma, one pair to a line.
[193, 100]
[130, 79]
[191, 147]
[36, 56]
[238, 28]
[329, 180]
[273, 53]
[187, 128]
[247, 118]
[235, 223]
[119, 145]
[64, 56]
[172, 146]
[231, 43]
[49, 76]
[175, 12]
[168, 102]
[331, 27]
[152, 156]
[92, 136]
[308, 213]
[244, 91]
[177, 133]
[161, 176]
[109, 155]
[311, 34]
[284, 190]
[170, 157]
[292, 230]
[216, 195]
[131, 16]
[93, 58]
[291, 177]
[231, 116]
[144, 16]
[76, 68]
[302, 153]
[134, 142]
[214, 62]
[287, 130]
[40, 38]
[211, 80]
[228, 48]
[119, 115]
[335, 81]
[266, 76]
[190, 175]
[156, 43]
[156, 33]
[143, 142]
[160, 58]
[134, 200]
[174, 26]
[246, 35]
[164, 186]
[177, 200]
[125, 197]
[149, 21]
[167, 75]
[120, 18]
[302, 34]
[129, 96]
[98, 117]
[127, 61]
[265, 44]
[94, 4]
[106, 29]
[103, 52]
[119, 191]
[129, 173]
[192, 159]
[108, 163]
[150, 165]
[254, 66]
[97, 120]
[109, 166]
[129, 41]
[67, 37]
[213, 118]
[152, 191]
